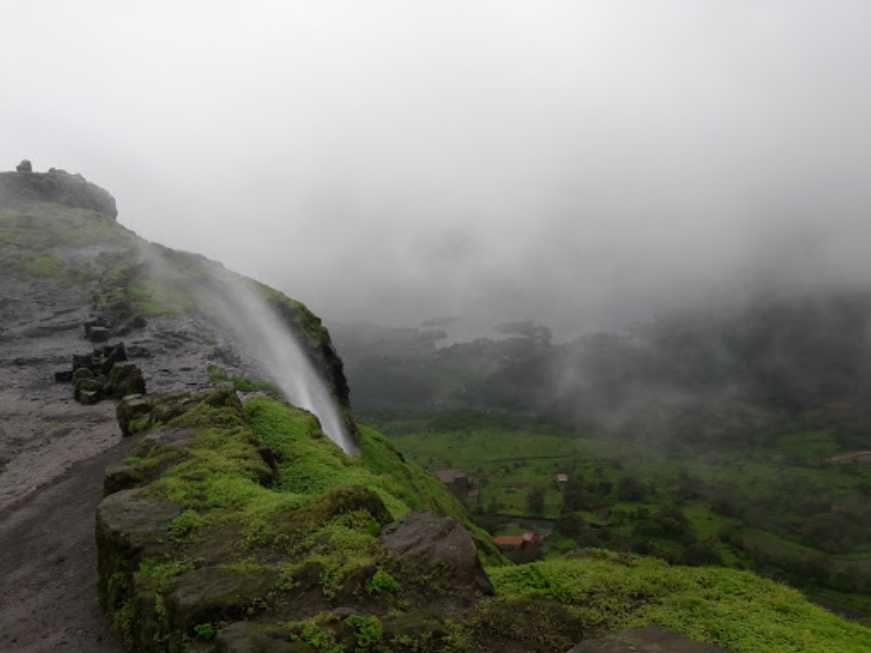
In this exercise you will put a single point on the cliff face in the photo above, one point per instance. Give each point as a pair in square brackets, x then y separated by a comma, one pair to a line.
[73, 278]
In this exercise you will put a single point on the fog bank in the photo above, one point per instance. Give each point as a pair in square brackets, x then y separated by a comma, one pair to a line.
[583, 164]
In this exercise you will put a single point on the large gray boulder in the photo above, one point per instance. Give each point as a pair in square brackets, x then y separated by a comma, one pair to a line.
[438, 548]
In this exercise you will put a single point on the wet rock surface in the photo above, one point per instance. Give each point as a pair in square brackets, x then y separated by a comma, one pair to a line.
[48, 563]
[437, 546]
[53, 452]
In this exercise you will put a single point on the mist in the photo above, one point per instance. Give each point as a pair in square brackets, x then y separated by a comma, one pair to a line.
[258, 332]
[586, 165]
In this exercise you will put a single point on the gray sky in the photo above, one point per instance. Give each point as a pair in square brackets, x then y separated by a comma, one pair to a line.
[579, 162]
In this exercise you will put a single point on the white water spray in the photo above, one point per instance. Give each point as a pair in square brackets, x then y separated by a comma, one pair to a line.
[269, 340]
[262, 334]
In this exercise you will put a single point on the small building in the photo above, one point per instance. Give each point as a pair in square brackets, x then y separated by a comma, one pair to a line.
[508, 542]
[561, 479]
[456, 480]
[520, 548]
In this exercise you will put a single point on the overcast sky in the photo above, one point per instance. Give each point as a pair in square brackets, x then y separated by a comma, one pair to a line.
[577, 162]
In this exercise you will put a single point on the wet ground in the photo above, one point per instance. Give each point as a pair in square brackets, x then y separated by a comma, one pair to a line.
[53, 452]
[48, 566]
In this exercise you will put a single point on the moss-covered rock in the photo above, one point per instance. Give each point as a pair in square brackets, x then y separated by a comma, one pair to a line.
[226, 514]
[125, 379]
[428, 551]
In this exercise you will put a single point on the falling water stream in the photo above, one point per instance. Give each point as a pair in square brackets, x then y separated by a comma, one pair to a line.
[269, 340]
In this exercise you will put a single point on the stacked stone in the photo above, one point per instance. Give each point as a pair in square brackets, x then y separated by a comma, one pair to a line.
[104, 373]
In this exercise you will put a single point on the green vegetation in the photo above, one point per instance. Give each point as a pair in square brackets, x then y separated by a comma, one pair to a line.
[296, 312]
[737, 610]
[774, 508]
[382, 581]
[247, 533]
[219, 375]
[205, 631]
[367, 630]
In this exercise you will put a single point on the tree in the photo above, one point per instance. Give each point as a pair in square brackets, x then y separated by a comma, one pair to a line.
[535, 500]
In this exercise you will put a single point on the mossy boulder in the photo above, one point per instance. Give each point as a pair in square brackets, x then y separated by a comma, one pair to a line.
[125, 379]
[229, 522]
[437, 553]
[133, 414]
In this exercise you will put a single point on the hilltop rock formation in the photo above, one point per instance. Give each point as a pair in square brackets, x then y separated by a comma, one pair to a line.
[75, 283]
[25, 186]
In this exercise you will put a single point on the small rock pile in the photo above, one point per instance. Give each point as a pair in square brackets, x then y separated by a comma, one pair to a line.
[104, 373]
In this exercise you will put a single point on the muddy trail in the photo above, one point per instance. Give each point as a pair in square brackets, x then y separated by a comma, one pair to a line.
[48, 566]
[53, 454]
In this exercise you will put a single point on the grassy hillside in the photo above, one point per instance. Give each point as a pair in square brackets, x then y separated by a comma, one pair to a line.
[737, 610]
[777, 508]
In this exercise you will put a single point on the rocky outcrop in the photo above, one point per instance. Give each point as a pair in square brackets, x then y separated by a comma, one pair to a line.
[104, 373]
[24, 186]
[244, 527]
[438, 549]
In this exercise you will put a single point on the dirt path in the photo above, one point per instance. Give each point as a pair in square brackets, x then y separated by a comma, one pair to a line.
[48, 566]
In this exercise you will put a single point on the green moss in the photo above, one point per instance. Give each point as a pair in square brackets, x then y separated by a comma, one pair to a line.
[205, 631]
[183, 526]
[139, 424]
[381, 581]
[250, 533]
[367, 630]
[309, 463]
[313, 633]
[735, 609]
[219, 375]
[307, 322]
[154, 574]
